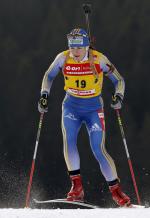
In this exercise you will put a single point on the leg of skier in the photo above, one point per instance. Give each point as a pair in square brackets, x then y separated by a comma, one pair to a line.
[96, 128]
[70, 127]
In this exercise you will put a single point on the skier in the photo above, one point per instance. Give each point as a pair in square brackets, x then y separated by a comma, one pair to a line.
[83, 69]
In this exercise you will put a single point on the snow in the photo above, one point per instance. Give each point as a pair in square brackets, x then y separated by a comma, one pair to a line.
[75, 213]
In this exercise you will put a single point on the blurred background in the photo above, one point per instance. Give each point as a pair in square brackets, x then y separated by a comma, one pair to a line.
[32, 33]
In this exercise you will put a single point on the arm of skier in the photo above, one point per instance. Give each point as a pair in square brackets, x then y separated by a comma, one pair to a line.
[52, 72]
[48, 78]
[119, 84]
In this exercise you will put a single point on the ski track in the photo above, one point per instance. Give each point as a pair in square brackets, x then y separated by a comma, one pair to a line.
[75, 213]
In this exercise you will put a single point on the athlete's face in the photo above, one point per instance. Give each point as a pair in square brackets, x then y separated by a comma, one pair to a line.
[78, 53]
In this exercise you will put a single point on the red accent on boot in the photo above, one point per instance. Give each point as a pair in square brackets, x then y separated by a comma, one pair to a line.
[76, 192]
[118, 196]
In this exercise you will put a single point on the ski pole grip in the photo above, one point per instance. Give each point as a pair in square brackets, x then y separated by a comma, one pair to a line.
[87, 8]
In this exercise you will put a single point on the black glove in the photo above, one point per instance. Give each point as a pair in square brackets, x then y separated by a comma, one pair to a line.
[116, 101]
[43, 103]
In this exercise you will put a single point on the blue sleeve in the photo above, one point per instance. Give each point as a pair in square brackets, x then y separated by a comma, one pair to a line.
[111, 72]
[52, 72]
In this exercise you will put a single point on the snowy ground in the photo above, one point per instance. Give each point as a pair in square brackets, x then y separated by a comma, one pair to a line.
[75, 213]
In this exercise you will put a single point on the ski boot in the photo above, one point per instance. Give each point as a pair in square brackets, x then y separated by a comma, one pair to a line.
[118, 196]
[76, 193]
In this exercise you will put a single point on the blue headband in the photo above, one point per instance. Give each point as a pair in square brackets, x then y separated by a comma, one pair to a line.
[78, 41]
[78, 38]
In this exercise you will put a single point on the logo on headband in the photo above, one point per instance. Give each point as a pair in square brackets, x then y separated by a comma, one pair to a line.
[74, 41]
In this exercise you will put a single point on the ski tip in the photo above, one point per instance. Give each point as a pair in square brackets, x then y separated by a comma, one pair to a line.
[137, 206]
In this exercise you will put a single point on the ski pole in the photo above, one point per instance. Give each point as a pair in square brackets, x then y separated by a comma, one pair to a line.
[87, 11]
[33, 161]
[128, 156]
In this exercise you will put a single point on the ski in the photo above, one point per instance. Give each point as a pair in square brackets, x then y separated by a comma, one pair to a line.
[80, 203]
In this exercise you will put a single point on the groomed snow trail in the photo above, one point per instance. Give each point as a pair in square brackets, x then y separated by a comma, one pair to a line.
[75, 213]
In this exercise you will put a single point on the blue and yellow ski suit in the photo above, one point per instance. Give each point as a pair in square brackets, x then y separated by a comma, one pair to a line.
[83, 104]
